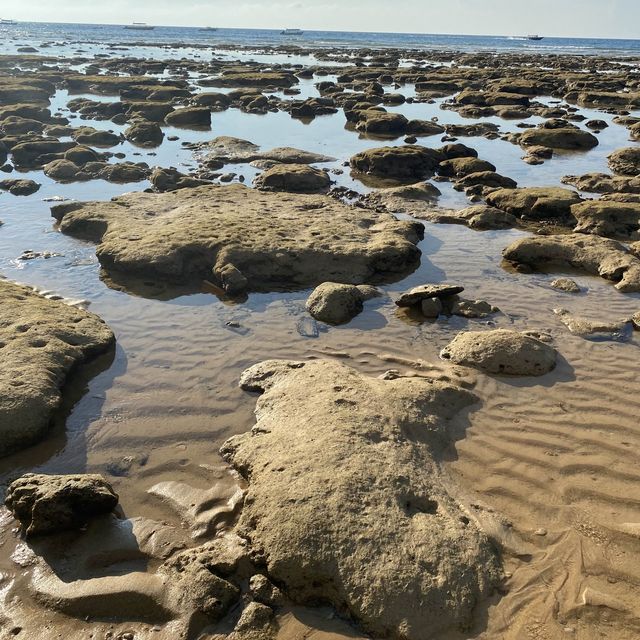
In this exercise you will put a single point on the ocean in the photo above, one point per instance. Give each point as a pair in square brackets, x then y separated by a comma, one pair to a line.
[27, 33]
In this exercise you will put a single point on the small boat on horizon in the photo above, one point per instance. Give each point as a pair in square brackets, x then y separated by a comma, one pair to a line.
[291, 32]
[534, 36]
[6, 21]
[208, 28]
[139, 26]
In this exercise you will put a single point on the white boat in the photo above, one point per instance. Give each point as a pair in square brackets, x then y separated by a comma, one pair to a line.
[534, 36]
[5, 21]
[139, 26]
[291, 32]
[209, 29]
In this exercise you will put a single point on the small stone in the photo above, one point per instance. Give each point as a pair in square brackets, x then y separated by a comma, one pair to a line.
[566, 284]
[540, 532]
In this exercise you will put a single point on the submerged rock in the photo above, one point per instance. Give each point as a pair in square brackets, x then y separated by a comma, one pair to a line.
[243, 239]
[619, 330]
[336, 303]
[598, 256]
[346, 502]
[501, 351]
[45, 504]
[41, 341]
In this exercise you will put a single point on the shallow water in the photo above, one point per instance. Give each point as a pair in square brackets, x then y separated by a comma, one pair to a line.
[558, 453]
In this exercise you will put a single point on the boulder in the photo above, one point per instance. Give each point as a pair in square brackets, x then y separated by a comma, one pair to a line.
[42, 341]
[425, 291]
[189, 117]
[566, 284]
[80, 155]
[96, 137]
[489, 179]
[625, 161]
[594, 255]
[346, 502]
[535, 203]
[19, 186]
[459, 167]
[608, 218]
[144, 134]
[34, 154]
[45, 504]
[336, 303]
[408, 163]
[171, 179]
[295, 178]
[485, 218]
[242, 238]
[501, 351]
[604, 183]
[566, 138]
[381, 122]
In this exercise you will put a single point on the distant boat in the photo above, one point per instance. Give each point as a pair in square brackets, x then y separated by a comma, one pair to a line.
[534, 37]
[209, 29]
[139, 26]
[5, 21]
[291, 32]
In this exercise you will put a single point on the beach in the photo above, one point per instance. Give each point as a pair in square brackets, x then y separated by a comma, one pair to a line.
[299, 460]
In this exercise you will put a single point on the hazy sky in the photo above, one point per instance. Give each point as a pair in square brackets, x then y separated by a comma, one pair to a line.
[571, 18]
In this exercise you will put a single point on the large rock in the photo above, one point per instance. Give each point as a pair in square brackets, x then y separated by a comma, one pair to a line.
[608, 218]
[598, 256]
[144, 134]
[567, 138]
[19, 187]
[41, 341]
[336, 303]
[48, 504]
[171, 179]
[243, 239]
[459, 167]
[381, 122]
[37, 153]
[603, 183]
[536, 203]
[408, 163]
[96, 137]
[189, 117]
[625, 161]
[501, 351]
[346, 501]
[296, 178]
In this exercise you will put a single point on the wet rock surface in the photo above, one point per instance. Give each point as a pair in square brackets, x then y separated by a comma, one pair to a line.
[367, 432]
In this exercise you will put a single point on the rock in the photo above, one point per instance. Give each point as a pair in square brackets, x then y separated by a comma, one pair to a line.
[424, 128]
[635, 320]
[598, 256]
[431, 307]
[42, 341]
[381, 122]
[566, 138]
[243, 239]
[536, 203]
[189, 117]
[212, 99]
[426, 291]
[625, 161]
[171, 179]
[458, 150]
[64, 171]
[603, 183]
[608, 218]
[409, 163]
[346, 500]
[596, 125]
[501, 351]
[144, 134]
[472, 308]
[336, 303]
[96, 137]
[244, 78]
[489, 179]
[264, 591]
[236, 150]
[483, 217]
[619, 331]
[45, 504]
[295, 178]
[80, 155]
[256, 623]
[459, 167]
[34, 154]
[19, 187]
[566, 284]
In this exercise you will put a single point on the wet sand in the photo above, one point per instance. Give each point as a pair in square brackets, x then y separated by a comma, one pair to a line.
[557, 458]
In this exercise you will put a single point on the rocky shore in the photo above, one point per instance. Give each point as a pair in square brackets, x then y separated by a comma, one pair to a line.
[416, 464]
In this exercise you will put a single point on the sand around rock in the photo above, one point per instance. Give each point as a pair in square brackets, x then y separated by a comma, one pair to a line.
[41, 341]
[242, 239]
[347, 503]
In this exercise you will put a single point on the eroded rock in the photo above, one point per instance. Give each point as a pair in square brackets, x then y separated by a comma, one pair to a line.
[336, 303]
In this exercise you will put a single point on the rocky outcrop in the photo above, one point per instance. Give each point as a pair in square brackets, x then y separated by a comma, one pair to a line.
[611, 219]
[501, 352]
[409, 163]
[45, 504]
[336, 303]
[41, 341]
[594, 255]
[242, 239]
[626, 161]
[535, 203]
[603, 183]
[346, 502]
[295, 178]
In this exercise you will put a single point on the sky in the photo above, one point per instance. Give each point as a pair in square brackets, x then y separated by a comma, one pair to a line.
[568, 18]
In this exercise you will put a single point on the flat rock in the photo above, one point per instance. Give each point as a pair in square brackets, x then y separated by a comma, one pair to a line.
[425, 291]
[346, 502]
[336, 303]
[19, 186]
[501, 351]
[535, 203]
[243, 239]
[409, 163]
[483, 218]
[603, 183]
[608, 218]
[591, 254]
[45, 504]
[41, 341]
[565, 138]
[618, 330]
[295, 178]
